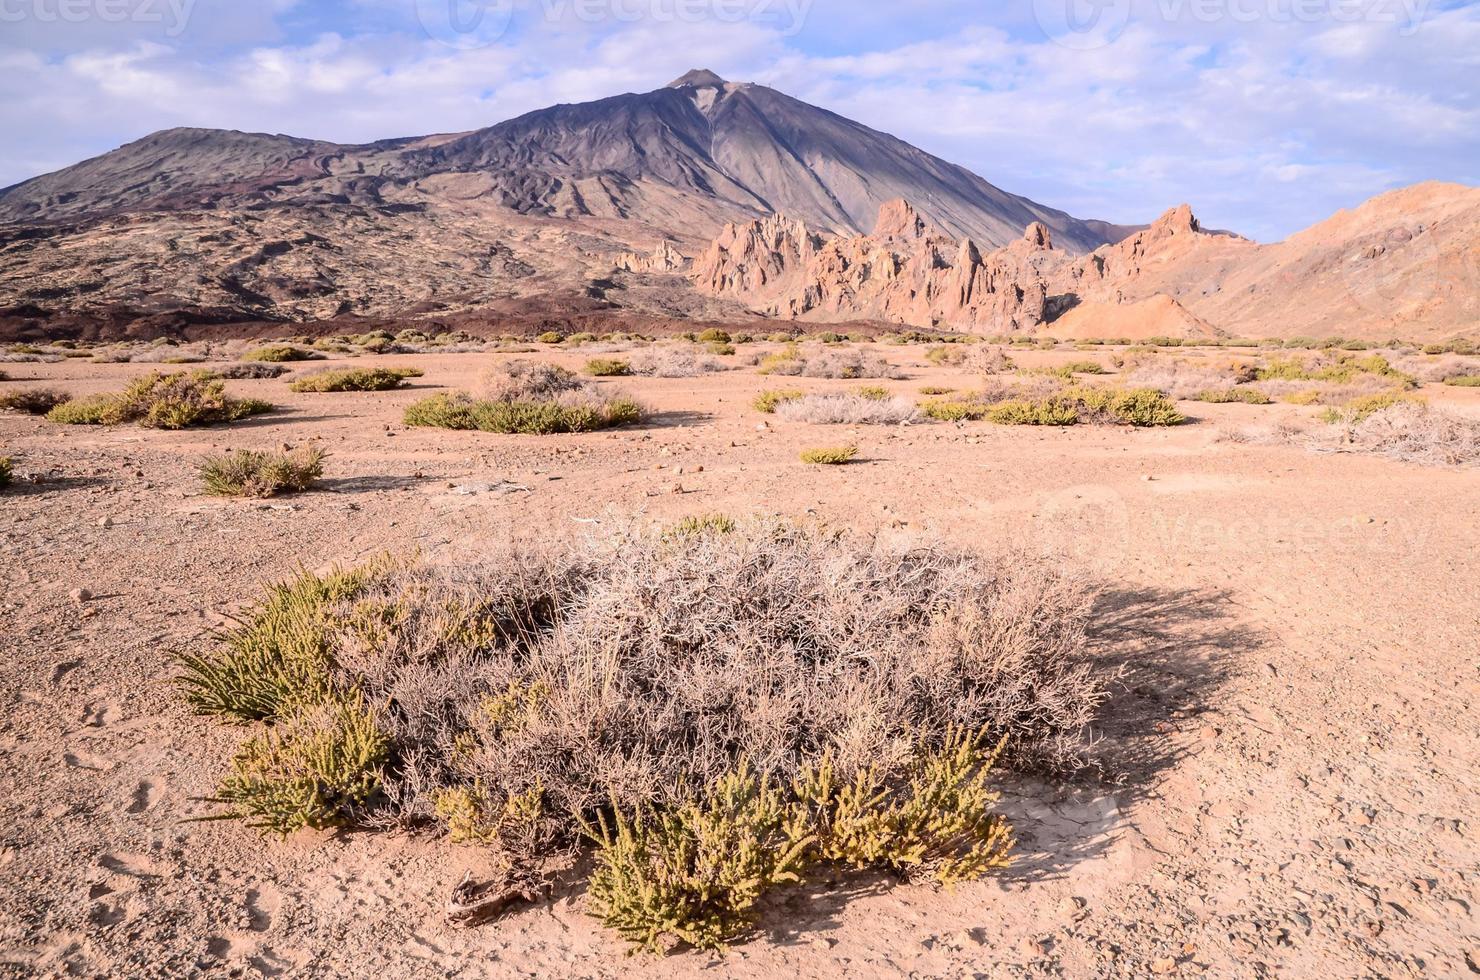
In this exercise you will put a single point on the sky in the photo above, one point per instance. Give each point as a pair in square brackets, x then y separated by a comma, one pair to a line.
[1265, 115]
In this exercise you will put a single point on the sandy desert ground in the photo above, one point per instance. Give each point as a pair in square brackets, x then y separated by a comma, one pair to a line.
[1295, 747]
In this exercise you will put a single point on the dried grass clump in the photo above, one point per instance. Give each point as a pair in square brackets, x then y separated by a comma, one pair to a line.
[356, 379]
[33, 401]
[1359, 409]
[1439, 370]
[676, 362]
[829, 455]
[531, 381]
[847, 409]
[247, 473]
[250, 371]
[1241, 394]
[1185, 380]
[794, 361]
[162, 401]
[688, 686]
[1464, 381]
[1407, 430]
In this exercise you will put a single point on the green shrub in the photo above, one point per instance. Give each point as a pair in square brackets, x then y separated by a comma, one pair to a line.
[874, 393]
[276, 659]
[93, 410]
[314, 769]
[941, 825]
[1344, 368]
[1237, 393]
[525, 416]
[935, 390]
[954, 410]
[767, 401]
[278, 354]
[698, 871]
[33, 401]
[829, 456]
[1137, 406]
[704, 524]
[551, 337]
[1464, 381]
[603, 367]
[577, 339]
[721, 350]
[162, 401]
[1084, 367]
[779, 361]
[356, 379]
[714, 336]
[1053, 410]
[442, 411]
[246, 473]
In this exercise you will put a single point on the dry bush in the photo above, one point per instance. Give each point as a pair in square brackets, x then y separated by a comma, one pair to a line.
[665, 683]
[1437, 370]
[530, 381]
[847, 409]
[32, 401]
[634, 667]
[1182, 379]
[987, 359]
[796, 361]
[250, 371]
[6, 469]
[1328, 393]
[1406, 430]
[675, 362]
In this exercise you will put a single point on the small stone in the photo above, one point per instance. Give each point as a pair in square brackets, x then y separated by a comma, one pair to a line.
[1208, 733]
[698, 469]
[1164, 965]
[80, 595]
[1148, 478]
[105, 522]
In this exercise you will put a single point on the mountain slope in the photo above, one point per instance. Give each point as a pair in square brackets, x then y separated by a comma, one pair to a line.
[685, 158]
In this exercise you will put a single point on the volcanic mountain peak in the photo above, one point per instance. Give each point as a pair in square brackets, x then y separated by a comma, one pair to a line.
[698, 78]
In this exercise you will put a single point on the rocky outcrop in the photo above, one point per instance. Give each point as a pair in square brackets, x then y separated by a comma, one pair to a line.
[906, 272]
[663, 260]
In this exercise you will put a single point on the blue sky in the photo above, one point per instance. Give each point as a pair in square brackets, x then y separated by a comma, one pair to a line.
[1265, 115]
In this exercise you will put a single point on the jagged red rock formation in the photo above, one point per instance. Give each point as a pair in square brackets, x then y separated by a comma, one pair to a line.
[906, 271]
[1404, 264]
[663, 260]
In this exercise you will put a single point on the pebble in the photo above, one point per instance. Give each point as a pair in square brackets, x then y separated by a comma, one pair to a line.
[1164, 965]
[105, 522]
[80, 595]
